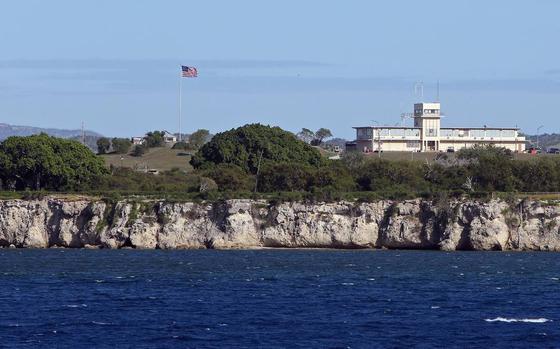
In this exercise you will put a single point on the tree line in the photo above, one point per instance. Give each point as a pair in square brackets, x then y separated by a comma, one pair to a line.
[262, 159]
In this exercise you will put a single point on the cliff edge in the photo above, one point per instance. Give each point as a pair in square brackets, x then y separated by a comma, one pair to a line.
[238, 224]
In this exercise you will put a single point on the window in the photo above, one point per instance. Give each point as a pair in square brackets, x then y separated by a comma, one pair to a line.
[477, 133]
[410, 132]
[364, 133]
[413, 144]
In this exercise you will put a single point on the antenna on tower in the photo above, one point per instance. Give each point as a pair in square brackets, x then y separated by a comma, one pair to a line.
[419, 90]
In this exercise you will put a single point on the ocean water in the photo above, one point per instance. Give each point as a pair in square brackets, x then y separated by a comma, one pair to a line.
[278, 299]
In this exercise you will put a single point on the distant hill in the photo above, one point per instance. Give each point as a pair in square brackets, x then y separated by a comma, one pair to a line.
[12, 130]
[546, 140]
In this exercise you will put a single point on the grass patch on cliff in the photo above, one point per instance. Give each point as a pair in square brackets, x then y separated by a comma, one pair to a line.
[108, 216]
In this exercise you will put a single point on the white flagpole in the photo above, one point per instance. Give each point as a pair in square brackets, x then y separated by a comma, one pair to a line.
[180, 100]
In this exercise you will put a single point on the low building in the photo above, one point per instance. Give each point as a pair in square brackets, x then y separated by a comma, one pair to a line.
[169, 137]
[138, 140]
[427, 135]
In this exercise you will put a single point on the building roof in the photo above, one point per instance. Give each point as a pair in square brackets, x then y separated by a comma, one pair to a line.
[480, 128]
[392, 127]
[442, 128]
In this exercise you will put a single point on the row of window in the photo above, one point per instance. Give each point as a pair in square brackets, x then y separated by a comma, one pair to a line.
[478, 133]
[367, 133]
[418, 112]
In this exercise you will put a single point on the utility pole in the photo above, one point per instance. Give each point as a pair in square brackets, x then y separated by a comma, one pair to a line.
[83, 134]
[378, 138]
[538, 130]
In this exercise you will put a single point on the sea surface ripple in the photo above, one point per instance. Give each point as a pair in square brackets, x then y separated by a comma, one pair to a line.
[278, 299]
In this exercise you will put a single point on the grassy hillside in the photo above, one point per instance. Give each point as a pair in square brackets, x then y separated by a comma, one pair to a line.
[162, 159]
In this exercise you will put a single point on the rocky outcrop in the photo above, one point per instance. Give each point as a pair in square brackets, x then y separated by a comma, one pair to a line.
[413, 224]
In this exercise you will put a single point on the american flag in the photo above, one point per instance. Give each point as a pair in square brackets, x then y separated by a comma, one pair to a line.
[189, 72]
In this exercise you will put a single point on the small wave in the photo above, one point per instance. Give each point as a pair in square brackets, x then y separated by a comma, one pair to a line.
[554, 279]
[348, 283]
[371, 279]
[99, 281]
[534, 321]
[101, 323]
[76, 305]
[435, 307]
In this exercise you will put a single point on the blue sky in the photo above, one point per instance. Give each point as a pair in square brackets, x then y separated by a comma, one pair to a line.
[336, 64]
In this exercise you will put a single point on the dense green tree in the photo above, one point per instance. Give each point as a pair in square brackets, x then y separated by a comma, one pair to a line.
[121, 145]
[155, 139]
[199, 138]
[322, 134]
[139, 150]
[250, 145]
[379, 175]
[43, 162]
[353, 159]
[103, 145]
[285, 177]
[491, 167]
[230, 177]
[334, 176]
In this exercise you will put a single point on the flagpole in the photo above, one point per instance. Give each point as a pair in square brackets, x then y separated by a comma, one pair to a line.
[180, 101]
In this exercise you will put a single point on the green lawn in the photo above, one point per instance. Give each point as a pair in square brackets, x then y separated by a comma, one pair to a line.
[161, 159]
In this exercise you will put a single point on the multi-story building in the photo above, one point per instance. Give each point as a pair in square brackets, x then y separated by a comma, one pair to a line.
[427, 135]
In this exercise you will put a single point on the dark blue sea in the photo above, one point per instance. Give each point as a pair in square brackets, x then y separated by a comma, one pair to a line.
[278, 299]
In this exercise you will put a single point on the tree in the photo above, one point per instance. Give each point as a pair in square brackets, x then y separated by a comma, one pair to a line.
[306, 135]
[121, 145]
[43, 162]
[285, 177]
[181, 146]
[139, 150]
[103, 145]
[248, 145]
[230, 177]
[199, 138]
[320, 136]
[155, 139]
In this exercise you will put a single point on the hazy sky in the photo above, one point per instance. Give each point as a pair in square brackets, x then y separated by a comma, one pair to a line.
[291, 63]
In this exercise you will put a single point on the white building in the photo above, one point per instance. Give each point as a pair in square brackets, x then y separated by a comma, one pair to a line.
[169, 137]
[138, 140]
[427, 135]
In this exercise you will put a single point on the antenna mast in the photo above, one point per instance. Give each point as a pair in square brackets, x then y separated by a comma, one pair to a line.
[419, 90]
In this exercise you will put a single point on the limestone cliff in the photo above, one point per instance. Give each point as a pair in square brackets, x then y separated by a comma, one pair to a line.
[414, 224]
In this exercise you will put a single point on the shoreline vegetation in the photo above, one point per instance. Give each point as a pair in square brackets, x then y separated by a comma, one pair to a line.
[262, 162]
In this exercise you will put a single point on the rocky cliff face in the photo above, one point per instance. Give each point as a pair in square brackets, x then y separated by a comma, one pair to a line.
[415, 224]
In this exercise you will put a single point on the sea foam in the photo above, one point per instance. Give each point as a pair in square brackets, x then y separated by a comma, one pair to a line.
[503, 319]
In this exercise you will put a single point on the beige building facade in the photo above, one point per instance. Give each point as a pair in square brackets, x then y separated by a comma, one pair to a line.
[427, 135]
